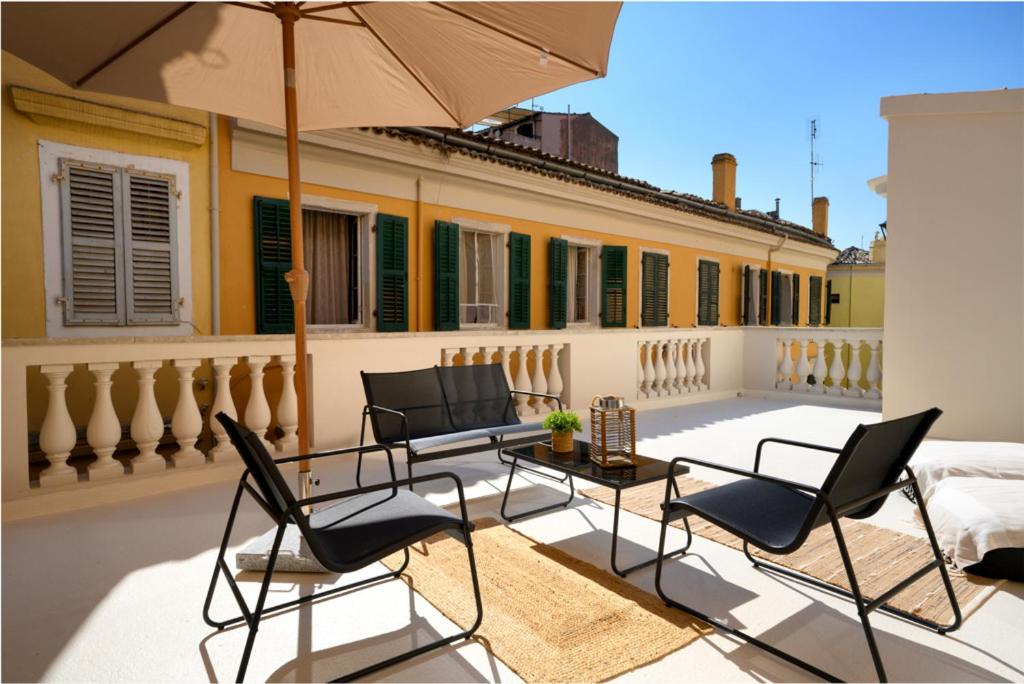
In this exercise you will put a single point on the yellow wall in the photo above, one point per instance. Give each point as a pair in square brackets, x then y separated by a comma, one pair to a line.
[861, 290]
[238, 299]
[23, 293]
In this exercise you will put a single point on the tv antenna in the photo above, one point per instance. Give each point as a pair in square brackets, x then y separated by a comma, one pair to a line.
[815, 162]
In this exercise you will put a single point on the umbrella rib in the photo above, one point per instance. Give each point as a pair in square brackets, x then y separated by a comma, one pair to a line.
[120, 53]
[405, 66]
[346, 22]
[519, 39]
[267, 7]
[332, 6]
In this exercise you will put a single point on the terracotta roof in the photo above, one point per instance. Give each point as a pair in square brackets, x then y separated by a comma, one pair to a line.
[853, 255]
[698, 205]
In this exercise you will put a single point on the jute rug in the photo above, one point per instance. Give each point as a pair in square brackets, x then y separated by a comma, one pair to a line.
[881, 557]
[548, 616]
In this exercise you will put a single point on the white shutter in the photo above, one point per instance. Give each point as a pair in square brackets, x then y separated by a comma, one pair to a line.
[91, 218]
[151, 249]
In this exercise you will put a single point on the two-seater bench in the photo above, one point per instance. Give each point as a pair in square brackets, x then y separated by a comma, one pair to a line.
[433, 412]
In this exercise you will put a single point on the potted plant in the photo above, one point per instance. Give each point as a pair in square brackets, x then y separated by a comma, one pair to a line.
[562, 424]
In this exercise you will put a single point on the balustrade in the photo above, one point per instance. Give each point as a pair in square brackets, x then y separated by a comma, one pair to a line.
[538, 368]
[672, 366]
[837, 367]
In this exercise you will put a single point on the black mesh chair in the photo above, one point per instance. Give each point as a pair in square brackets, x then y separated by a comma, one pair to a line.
[777, 515]
[361, 526]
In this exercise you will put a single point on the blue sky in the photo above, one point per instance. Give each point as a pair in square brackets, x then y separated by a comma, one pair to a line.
[688, 80]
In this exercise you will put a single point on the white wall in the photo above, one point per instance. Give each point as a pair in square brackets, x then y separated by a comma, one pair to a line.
[954, 291]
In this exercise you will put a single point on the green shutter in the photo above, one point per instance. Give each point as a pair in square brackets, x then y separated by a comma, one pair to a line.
[796, 299]
[392, 273]
[776, 299]
[747, 302]
[518, 281]
[654, 290]
[272, 224]
[558, 287]
[762, 304]
[707, 293]
[613, 287]
[446, 276]
[814, 302]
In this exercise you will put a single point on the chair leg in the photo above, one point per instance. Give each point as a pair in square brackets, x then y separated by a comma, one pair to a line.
[950, 594]
[254, 623]
[359, 674]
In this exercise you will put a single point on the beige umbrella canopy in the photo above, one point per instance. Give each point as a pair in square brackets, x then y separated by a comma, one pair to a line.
[306, 66]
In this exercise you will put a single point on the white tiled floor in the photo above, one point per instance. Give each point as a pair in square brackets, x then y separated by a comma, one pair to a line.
[115, 593]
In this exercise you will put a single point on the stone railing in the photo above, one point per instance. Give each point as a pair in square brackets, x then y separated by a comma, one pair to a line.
[672, 365]
[841, 362]
[532, 368]
[58, 435]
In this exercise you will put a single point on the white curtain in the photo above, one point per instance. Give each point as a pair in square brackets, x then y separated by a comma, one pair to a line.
[327, 256]
[478, 282]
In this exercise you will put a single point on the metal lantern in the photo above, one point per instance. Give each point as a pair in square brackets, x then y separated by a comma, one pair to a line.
[612, 432]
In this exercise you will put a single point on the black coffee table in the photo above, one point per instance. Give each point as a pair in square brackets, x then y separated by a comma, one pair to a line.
[577, 463]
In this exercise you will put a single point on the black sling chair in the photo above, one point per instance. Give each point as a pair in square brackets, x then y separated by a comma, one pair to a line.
[368, 524]
[777, 515]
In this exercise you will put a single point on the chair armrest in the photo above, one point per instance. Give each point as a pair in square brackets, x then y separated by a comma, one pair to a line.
[536, 394]
[405, 421]
[791, 442]
[789, 484]
[335, 452]
[297, 507]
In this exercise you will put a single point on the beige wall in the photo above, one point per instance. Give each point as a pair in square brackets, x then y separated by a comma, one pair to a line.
[954, 291]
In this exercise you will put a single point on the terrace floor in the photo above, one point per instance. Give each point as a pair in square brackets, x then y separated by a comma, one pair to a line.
[115, 593]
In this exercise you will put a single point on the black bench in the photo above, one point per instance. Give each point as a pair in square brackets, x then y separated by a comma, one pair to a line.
[432, 411]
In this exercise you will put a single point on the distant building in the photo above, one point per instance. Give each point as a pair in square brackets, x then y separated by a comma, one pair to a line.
[578, 137]
[855, 287]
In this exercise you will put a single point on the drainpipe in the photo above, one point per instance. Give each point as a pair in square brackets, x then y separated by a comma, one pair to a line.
[772, 250]
[215, 223]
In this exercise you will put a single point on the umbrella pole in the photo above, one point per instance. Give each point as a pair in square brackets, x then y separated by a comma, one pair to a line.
[297, 278]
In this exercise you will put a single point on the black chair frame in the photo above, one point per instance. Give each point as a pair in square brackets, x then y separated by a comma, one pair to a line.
[864, 606]
[252, 617]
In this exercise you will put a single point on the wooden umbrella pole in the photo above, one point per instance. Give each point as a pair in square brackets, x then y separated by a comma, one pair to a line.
[297, 278]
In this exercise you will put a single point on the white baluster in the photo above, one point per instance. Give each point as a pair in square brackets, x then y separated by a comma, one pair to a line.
[836, 371]
[874, 372]
[448, 357]
[803, 368]
[819, 367]
[691, 368]
[555, 384]
[488, 354]
[659, 368]
[649, 389]
[853, 371]
[147, 423]
[785, 381]
[288, 407]
[257, 410]
[467, 355]
[671, 372]
[640, 394]
[187, 422]
[505, 359]
[104, 431]
[57, 435]
[522, 380]
[222, 403]
[540, 384]
[698, 365]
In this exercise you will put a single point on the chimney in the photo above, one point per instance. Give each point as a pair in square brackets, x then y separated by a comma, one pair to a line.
[723, 172]
[819, 216]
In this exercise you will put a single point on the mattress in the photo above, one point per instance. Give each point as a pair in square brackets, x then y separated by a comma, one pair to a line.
[973, 516]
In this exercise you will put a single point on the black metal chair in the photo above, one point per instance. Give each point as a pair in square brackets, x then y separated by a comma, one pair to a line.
[361, 527]
[777, 515]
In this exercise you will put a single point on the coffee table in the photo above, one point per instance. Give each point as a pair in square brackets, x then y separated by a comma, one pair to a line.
[577, 463]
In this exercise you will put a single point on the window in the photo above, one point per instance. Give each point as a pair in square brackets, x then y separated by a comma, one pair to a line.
[614, 268]
[814, 311]
[707, 292]
[654, 289]
[480, 269]
[579, 282]
[119, 245]
[750, 301]
[785, 298]
[332, 257]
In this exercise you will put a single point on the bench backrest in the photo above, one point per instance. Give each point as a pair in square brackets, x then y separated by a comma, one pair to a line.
[477, 396]
[417, 394]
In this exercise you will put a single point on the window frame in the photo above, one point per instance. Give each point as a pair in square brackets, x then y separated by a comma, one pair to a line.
[366, 222]
[696, 291]
[668, 288]
[50, 155]
[502, 230]
[593, 248]
[755, 277]
[786, 275]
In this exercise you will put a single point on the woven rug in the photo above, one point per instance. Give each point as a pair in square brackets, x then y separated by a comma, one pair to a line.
[881, 557]
[548, 616]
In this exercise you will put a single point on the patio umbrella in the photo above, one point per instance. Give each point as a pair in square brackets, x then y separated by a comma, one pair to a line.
[345, 64]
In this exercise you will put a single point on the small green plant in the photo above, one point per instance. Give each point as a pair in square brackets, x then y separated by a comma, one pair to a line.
[563, 421]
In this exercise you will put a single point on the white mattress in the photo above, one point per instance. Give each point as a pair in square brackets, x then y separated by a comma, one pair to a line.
[974, 492]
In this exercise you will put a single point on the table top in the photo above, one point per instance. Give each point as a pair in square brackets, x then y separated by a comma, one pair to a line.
[578, 464]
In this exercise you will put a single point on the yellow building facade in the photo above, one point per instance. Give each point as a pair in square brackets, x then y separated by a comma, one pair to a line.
[856, 291]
